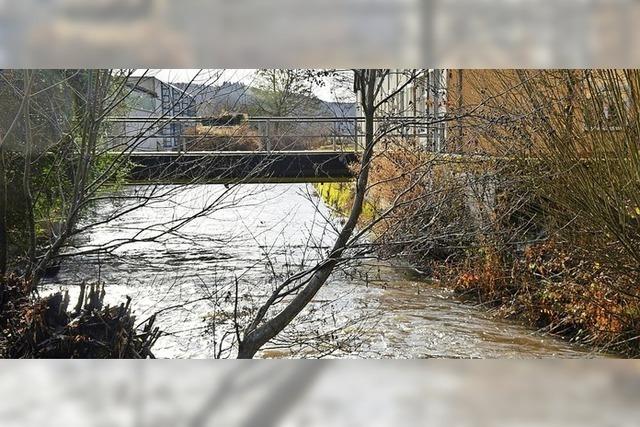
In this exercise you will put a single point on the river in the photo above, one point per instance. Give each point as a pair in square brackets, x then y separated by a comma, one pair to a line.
[373, 310]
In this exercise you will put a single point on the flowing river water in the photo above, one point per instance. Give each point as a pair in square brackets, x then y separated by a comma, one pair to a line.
[255, 231]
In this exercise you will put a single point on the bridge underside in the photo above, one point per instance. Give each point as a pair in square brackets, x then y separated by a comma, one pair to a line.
[249, 167]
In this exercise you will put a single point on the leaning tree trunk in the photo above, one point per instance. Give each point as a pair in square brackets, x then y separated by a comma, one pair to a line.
[255, 338]
[4, 240]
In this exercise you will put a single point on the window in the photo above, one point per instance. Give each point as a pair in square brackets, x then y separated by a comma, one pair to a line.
[142, 101]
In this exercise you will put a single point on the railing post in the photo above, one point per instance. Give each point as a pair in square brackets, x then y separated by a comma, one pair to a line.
[268, 136]
[355, 133]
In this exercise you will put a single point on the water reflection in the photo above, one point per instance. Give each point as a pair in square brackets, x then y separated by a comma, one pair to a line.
[376, 310]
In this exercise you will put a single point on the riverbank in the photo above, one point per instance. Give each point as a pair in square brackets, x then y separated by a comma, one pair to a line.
[542, 286]
[552, 289]
[339, 196]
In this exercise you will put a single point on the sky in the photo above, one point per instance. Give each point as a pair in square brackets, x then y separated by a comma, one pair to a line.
[217, 76]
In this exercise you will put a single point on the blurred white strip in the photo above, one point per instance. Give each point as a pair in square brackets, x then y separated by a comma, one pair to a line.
[372, 393]
[288, 33]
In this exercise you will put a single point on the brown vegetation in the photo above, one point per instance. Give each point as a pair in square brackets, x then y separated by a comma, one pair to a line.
[222, 138]
[429, 221]
[548, 229]
[44, 327]
[553, 287]
[501, 256]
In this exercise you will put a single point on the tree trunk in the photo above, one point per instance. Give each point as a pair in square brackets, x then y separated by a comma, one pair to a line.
[26, 177]
[3, 215]
[256, 338]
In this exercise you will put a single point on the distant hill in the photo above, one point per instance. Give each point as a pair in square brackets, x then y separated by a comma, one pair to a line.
[339, 109]
[226, 97]
[238, 97]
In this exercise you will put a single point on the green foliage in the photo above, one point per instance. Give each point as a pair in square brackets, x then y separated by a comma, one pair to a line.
[285, 92]
[116, 177]
[339, 196]
[69, 164]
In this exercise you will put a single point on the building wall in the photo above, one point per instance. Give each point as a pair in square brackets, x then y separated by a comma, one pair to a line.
[498, 97]
[481, 107]
[153, 99]
[420, 101]
[476, 92]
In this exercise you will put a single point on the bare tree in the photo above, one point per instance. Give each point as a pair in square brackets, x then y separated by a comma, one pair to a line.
[79, 162]
[304, 286]
[284, 92]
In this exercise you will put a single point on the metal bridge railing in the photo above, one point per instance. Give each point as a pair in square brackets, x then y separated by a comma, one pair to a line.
[340, 133]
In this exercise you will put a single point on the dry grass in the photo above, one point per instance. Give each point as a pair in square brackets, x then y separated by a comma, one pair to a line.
[222, 138]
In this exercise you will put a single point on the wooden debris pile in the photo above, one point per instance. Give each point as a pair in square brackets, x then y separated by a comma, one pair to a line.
[228, 119]
[240, 137]
[44, 327]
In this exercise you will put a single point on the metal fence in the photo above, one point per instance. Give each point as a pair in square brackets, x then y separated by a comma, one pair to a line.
[343, 134]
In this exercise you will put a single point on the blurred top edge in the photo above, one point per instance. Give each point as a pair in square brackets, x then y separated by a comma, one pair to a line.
[332, 33]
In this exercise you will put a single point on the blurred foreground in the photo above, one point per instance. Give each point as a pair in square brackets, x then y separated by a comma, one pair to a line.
[318, 393]
[371, 33]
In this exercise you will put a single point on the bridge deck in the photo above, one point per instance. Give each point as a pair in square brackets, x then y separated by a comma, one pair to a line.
[239, 166]
[241, 153]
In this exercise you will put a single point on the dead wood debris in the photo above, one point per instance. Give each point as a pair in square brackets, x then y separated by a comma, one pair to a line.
[43, 327]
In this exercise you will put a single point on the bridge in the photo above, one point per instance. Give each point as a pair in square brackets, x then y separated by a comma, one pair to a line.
[172, 149]
[241, 166]
[255, 149]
